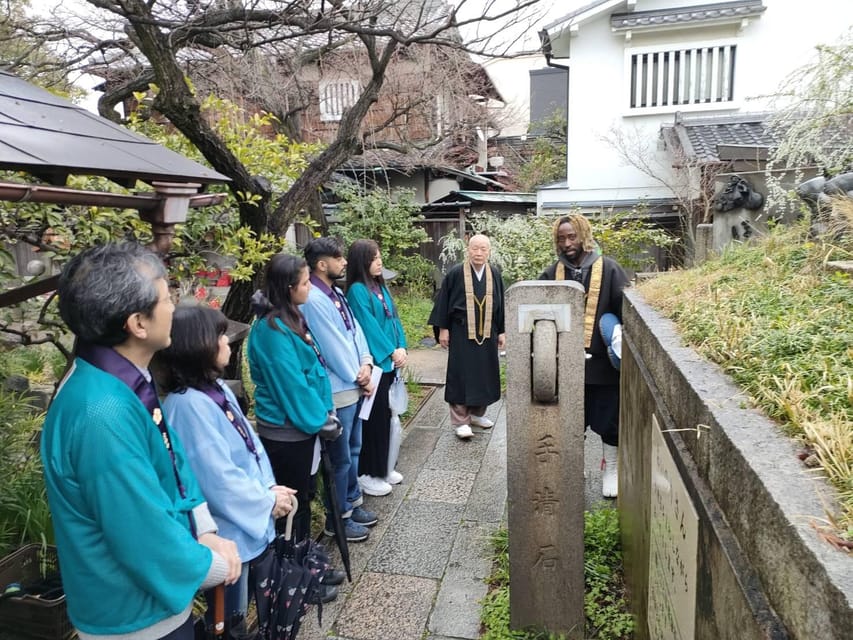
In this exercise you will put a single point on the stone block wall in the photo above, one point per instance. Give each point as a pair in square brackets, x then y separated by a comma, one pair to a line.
[762, 570]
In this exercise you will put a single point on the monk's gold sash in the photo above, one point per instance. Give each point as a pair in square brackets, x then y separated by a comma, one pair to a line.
[591, 296]
[484, 331]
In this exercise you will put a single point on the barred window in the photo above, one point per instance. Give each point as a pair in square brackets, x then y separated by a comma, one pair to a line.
[701, 75]
[336, 96]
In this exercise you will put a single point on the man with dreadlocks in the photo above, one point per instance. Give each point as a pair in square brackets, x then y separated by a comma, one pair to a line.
[469, 318]
[580, 259]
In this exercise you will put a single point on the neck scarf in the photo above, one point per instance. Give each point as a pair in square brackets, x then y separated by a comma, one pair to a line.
[112, 362]
[484, 331]
[337, 299]
[380, 293]
[215, 393]
[591, 295]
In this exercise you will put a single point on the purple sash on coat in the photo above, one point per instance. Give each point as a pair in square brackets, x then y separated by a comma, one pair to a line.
[111, 361]
[215, 393]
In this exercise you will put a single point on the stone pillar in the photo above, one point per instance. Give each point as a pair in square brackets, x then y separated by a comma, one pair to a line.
[704, 243]
[545, 378]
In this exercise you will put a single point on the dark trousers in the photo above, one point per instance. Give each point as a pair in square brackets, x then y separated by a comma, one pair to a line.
[376, 432]
[601, 411]
[291, 466]
[184, 632]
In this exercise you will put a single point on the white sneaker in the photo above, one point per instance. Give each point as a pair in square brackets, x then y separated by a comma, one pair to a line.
[463, 432]
[373, 486]
[395, 477]
[482, 421]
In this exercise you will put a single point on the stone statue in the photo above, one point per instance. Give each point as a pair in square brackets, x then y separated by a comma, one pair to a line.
[818, 193]
[737, 194]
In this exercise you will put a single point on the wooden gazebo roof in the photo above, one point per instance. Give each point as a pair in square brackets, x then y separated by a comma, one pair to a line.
[51, 138]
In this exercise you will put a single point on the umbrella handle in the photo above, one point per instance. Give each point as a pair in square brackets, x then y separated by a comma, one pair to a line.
[288, 529]
[219, 611]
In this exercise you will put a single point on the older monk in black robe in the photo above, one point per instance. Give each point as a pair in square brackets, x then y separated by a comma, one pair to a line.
[469, 317]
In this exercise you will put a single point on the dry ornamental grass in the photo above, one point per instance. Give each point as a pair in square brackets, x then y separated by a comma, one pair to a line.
[778, 320]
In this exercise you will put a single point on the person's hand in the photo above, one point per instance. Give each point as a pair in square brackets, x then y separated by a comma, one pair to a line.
[444, 337]
[363, 377]
[367, 390]
[228, 550]
[501, 341]
[283, 503]
[399, 358]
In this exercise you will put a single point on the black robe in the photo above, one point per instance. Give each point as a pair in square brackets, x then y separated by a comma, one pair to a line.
[473, 372]
[613, 280]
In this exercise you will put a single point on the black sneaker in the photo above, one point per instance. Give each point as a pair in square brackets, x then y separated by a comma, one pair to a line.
[333, 577]
[324, 595]
[362, 516]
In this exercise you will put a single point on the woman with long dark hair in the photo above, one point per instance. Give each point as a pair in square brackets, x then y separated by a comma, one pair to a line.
[293, 396]
[225, 454]
[376, 313]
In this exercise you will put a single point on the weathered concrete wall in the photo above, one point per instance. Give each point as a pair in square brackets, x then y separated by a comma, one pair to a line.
[762, 569]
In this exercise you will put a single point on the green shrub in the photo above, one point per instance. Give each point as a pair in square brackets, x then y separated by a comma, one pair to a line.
[606, 611]
[414, 311]
[40, 363]
[24, 513]
[390, 220]
[522, 246]
[777, 320]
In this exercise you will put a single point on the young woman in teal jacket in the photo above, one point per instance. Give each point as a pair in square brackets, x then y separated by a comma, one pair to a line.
[293, 397]
[374, 309]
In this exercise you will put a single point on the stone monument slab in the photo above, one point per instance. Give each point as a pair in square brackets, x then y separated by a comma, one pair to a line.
[673, 540]
[545, 456]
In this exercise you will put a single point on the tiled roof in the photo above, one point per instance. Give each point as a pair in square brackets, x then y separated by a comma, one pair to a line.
[699, 138]
[435, 158]
[511, 197]
[687, 15]
[391, 160]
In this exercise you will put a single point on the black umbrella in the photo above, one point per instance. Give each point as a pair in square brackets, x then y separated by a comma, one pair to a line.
[286, 581]
[335, 506]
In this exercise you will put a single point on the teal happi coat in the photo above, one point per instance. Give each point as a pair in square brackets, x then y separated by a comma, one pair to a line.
[123, 532]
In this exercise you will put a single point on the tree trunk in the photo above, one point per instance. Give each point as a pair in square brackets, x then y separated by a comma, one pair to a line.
[346, 143]
[238, 305]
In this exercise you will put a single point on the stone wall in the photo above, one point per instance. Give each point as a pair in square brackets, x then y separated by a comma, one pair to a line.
[717, 492]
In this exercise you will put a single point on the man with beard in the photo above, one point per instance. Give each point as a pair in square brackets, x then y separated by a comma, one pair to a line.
[580, 259]
[469, 317]
[348, 363]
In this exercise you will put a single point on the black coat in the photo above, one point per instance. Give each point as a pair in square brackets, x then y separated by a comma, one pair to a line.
[613, 281]
[473, 372]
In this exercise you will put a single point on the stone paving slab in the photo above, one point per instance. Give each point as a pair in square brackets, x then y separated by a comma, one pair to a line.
[457, 608]
[439, 485]
[419, 444]
[434, 414]
[387, 607]
[420, 540]
[453, 454]
[487, 501]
